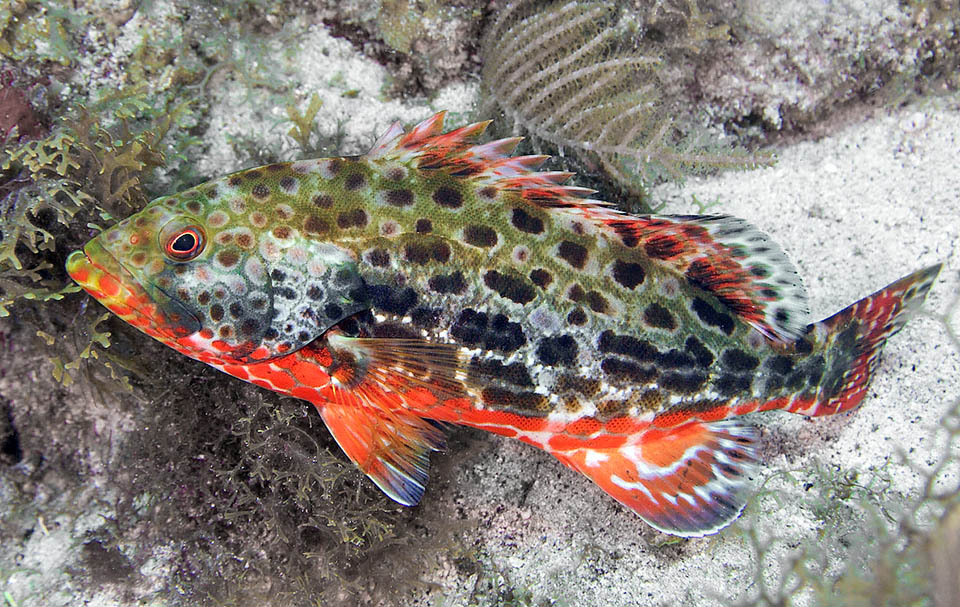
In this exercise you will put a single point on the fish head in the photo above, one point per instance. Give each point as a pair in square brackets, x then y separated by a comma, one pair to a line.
[193, 273]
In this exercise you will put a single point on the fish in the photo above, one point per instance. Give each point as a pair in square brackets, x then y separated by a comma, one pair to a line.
[439, 280]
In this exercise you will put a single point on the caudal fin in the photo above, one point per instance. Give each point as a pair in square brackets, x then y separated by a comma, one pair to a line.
[851, 341]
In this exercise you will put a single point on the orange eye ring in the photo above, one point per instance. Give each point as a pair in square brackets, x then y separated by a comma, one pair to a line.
[185, 244]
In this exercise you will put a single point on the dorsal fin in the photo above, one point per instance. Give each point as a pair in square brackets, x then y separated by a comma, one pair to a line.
[729, 258]
[722, 255]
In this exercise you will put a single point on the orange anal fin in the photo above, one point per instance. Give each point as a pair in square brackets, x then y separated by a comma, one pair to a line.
[690, 480]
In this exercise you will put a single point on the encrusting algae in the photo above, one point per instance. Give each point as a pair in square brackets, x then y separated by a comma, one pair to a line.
[439, 280]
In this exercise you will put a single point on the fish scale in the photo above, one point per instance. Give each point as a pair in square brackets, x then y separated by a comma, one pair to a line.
[437, 279]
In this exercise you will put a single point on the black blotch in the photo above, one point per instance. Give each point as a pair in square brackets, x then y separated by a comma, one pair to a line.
[628, 371]
[278, 275]
[700, 352]
[796, 380]
[448, 283]
[559, 349]
[354, 218]
[286, 293]
[628, 274]
[711, 317]
[249, 326]
[685, 383]
[333, 311]
[675, 359]
[781, 365]
[399, 198]
[626, 345]
[513, 288]
[480, 236]
[504, 335]
[258, 303]
[394, 330]
[355, 181]
[577, 317]
[738, 361]
[236, 310]
[525, 222]
[470, 327]
[541, 278]
[657, 316]
[426, 318]
[730, 384]
[394, 300]
[448, 197]
[270, 334]
[815, 369]
[425, 252]
[424, 226]
[759, 271]
[802, 346]
[597, 302]
[303, 336]
[521, 401]
[573, 253]
[315, 293]
[772, 293]
[288, 183]
[378, 258]
[515, 374]
[216, 312]
[782, 316]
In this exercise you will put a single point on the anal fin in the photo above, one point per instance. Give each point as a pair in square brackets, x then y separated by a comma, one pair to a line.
[688, 480]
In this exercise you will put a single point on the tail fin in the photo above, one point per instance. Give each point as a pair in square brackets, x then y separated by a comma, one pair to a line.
[851, 341]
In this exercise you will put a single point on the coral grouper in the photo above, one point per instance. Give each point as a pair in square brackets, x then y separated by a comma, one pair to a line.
[440, 280]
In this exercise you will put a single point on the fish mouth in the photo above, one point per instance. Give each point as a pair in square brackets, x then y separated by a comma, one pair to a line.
[102, 275]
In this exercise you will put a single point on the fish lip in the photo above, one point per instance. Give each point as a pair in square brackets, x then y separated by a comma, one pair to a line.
[97, 256]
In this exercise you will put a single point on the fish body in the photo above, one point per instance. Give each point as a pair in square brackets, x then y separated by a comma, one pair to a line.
[438, 279]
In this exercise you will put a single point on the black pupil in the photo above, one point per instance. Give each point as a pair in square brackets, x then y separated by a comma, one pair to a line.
[184, 243]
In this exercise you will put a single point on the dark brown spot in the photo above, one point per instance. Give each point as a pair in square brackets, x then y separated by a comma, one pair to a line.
[509, 287]
[399, 198]
[424, 226]
[249, 327]
[577, 317]
[541, 278]
[628, 274]
[253, 174]
[183, 294]
[576, 293]
[378, 258]
[738, 361]
[228, 258]
[260, 191]
[425, 252]
[627, 371]
[315, 293]
[288, 183]
[314, 225]
[685, 383]
[282, 232]
[711, 317]
[448, 283]
[324, 201]
[334, 166]
[203, 298]
[525, 222]
[521, 401]
[226, 332]
[657, 316]
[279, 166]
[216, 312]
[448, 197]
[480, 236]
[560, 349]
[194, 206]
[235, 180]
[211, 192]
[355, 181]
[489, 192]
[236, 310]
[354, 218]
[597, 302]
[396, 174]
[244, 240]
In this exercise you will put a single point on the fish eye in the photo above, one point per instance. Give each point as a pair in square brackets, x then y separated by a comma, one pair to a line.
[185, 244]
